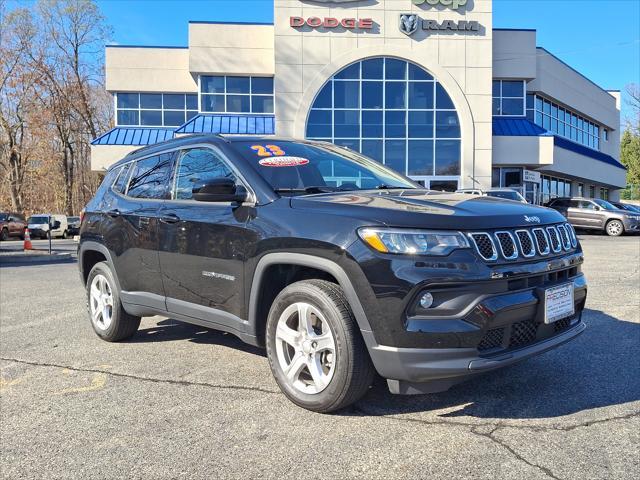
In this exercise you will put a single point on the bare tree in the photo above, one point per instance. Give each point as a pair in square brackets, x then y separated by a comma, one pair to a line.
[16, 96]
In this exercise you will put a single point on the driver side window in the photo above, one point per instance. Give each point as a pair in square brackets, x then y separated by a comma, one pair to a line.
[197, 165]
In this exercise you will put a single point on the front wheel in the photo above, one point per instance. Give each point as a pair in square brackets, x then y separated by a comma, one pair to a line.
[108, 318]
[614, 228]
[315, 349]
[4, 235]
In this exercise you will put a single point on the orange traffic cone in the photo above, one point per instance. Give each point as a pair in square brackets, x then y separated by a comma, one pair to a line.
[27, 240]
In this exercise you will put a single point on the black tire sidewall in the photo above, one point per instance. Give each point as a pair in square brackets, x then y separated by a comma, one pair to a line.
[103, 269]
[316, 297]
[4, 235]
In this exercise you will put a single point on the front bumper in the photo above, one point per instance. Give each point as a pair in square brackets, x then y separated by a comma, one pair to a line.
[500, 330]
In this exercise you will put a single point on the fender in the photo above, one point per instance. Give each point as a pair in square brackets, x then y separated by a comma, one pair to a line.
[307, 261]
[98, 247]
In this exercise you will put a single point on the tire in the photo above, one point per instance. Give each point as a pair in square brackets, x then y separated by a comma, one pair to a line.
[345, 371]
[65, 235]
[107, 316]
[22, 235]
[614, 228]
[4, 235]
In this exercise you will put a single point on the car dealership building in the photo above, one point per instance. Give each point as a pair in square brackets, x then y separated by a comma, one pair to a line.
[428, 87]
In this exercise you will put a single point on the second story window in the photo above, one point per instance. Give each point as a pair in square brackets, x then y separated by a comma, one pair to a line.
[155, 109]
[564, 122]
[226, 94]
[509, 98]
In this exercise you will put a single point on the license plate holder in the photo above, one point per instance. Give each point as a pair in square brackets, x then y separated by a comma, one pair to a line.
[558, 303]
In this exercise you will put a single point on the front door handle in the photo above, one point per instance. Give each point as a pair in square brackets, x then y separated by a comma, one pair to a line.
[169, 218]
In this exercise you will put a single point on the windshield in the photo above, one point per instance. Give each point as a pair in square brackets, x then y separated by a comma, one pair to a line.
[606, 205]
[507, 195]
[298, 167]
[38, 220]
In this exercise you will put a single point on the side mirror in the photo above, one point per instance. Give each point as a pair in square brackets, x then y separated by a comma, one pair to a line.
[220, 189]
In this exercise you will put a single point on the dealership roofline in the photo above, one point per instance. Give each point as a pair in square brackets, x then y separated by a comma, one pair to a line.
[147, 46]
[576, 71]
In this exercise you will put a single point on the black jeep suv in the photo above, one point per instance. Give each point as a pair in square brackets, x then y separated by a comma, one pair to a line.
[339, 266]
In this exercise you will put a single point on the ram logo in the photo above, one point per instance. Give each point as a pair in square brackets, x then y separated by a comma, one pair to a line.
[532, 219]
[409, 23]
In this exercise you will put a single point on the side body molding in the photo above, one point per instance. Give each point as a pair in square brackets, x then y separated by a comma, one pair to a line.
[319, 263]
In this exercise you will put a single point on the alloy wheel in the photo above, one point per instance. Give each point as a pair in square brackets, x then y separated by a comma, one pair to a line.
[614, 228]
[305, 348]
[101, 302]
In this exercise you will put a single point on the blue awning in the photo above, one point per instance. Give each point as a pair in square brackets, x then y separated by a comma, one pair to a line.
[517, 127]
[230, 124]
[566, 144]
[522, 127]
[134, 136]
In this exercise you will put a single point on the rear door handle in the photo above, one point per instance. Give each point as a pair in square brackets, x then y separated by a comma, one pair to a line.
[169, 218]
[114, 213]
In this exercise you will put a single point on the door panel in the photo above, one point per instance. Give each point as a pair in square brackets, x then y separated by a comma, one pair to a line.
[202, 244]
[131, 225]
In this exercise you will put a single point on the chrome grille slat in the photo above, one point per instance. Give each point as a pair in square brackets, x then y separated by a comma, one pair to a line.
[484, 245]
[564, 237]
[541, 241]
[525, 240]
[572, 234]
[554, 239]
[507, 245]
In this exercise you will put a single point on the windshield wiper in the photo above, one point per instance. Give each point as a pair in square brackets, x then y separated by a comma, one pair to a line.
[384, 186]
[312, 189]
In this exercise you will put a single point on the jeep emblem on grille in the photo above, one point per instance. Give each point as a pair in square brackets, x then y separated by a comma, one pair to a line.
[532, 219]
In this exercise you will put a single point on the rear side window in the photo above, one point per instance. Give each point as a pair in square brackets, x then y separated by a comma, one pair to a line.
[121, 183]
[150, 177]
[196, 165]
[587, 205]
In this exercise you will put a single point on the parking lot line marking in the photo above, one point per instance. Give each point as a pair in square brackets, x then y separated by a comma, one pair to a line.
[98, 382]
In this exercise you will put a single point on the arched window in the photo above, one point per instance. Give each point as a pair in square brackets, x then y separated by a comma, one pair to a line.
[392, 111]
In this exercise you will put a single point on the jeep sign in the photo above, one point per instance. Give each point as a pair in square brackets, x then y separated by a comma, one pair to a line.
[454, 4]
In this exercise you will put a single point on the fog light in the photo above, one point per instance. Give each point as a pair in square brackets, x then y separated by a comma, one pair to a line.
[426, 300]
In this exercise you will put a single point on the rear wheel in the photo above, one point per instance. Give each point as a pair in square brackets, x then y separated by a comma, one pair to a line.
[65, 234]
[614, 228]
[108, 318]
[4, 234]
[315, 350]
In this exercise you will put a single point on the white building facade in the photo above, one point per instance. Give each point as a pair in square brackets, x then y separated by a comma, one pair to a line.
[427, 87]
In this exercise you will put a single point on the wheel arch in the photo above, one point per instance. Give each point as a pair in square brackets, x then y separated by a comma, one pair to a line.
[91, 253]
[256, 323]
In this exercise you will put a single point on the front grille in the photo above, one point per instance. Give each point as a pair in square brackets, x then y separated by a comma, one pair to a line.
[522, 243]
[523, 333]
[561, 325]
[484, 246]
[492, 339]
[554, 239]
[507, 245]
[541, 241]
[572, 234]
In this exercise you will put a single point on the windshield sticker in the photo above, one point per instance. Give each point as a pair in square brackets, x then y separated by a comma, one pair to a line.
[268, 150]
[283, 162]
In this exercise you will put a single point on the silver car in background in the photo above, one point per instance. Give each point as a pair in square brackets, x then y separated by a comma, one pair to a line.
[596, 214]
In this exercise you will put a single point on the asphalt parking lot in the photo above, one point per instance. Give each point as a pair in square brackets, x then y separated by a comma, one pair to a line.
[182, 401]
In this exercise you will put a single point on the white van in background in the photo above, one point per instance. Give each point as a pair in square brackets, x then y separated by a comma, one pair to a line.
[38, 226]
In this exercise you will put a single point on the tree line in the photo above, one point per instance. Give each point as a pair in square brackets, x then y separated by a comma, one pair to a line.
[52, 104]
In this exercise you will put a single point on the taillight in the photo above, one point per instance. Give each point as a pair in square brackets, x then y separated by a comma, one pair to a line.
[81, 215]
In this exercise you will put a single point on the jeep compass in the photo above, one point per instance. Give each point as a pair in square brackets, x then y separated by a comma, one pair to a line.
[338, 266]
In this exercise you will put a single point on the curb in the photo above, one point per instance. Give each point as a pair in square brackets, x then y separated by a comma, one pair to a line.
[27, 258]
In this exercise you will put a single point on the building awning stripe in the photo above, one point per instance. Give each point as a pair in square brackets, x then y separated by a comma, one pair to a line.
[134, 136]
[230, 124]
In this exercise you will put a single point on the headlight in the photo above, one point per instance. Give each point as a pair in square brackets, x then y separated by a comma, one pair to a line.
[413, 242]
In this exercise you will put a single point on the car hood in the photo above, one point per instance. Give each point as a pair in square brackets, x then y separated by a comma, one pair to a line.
[428, 209]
